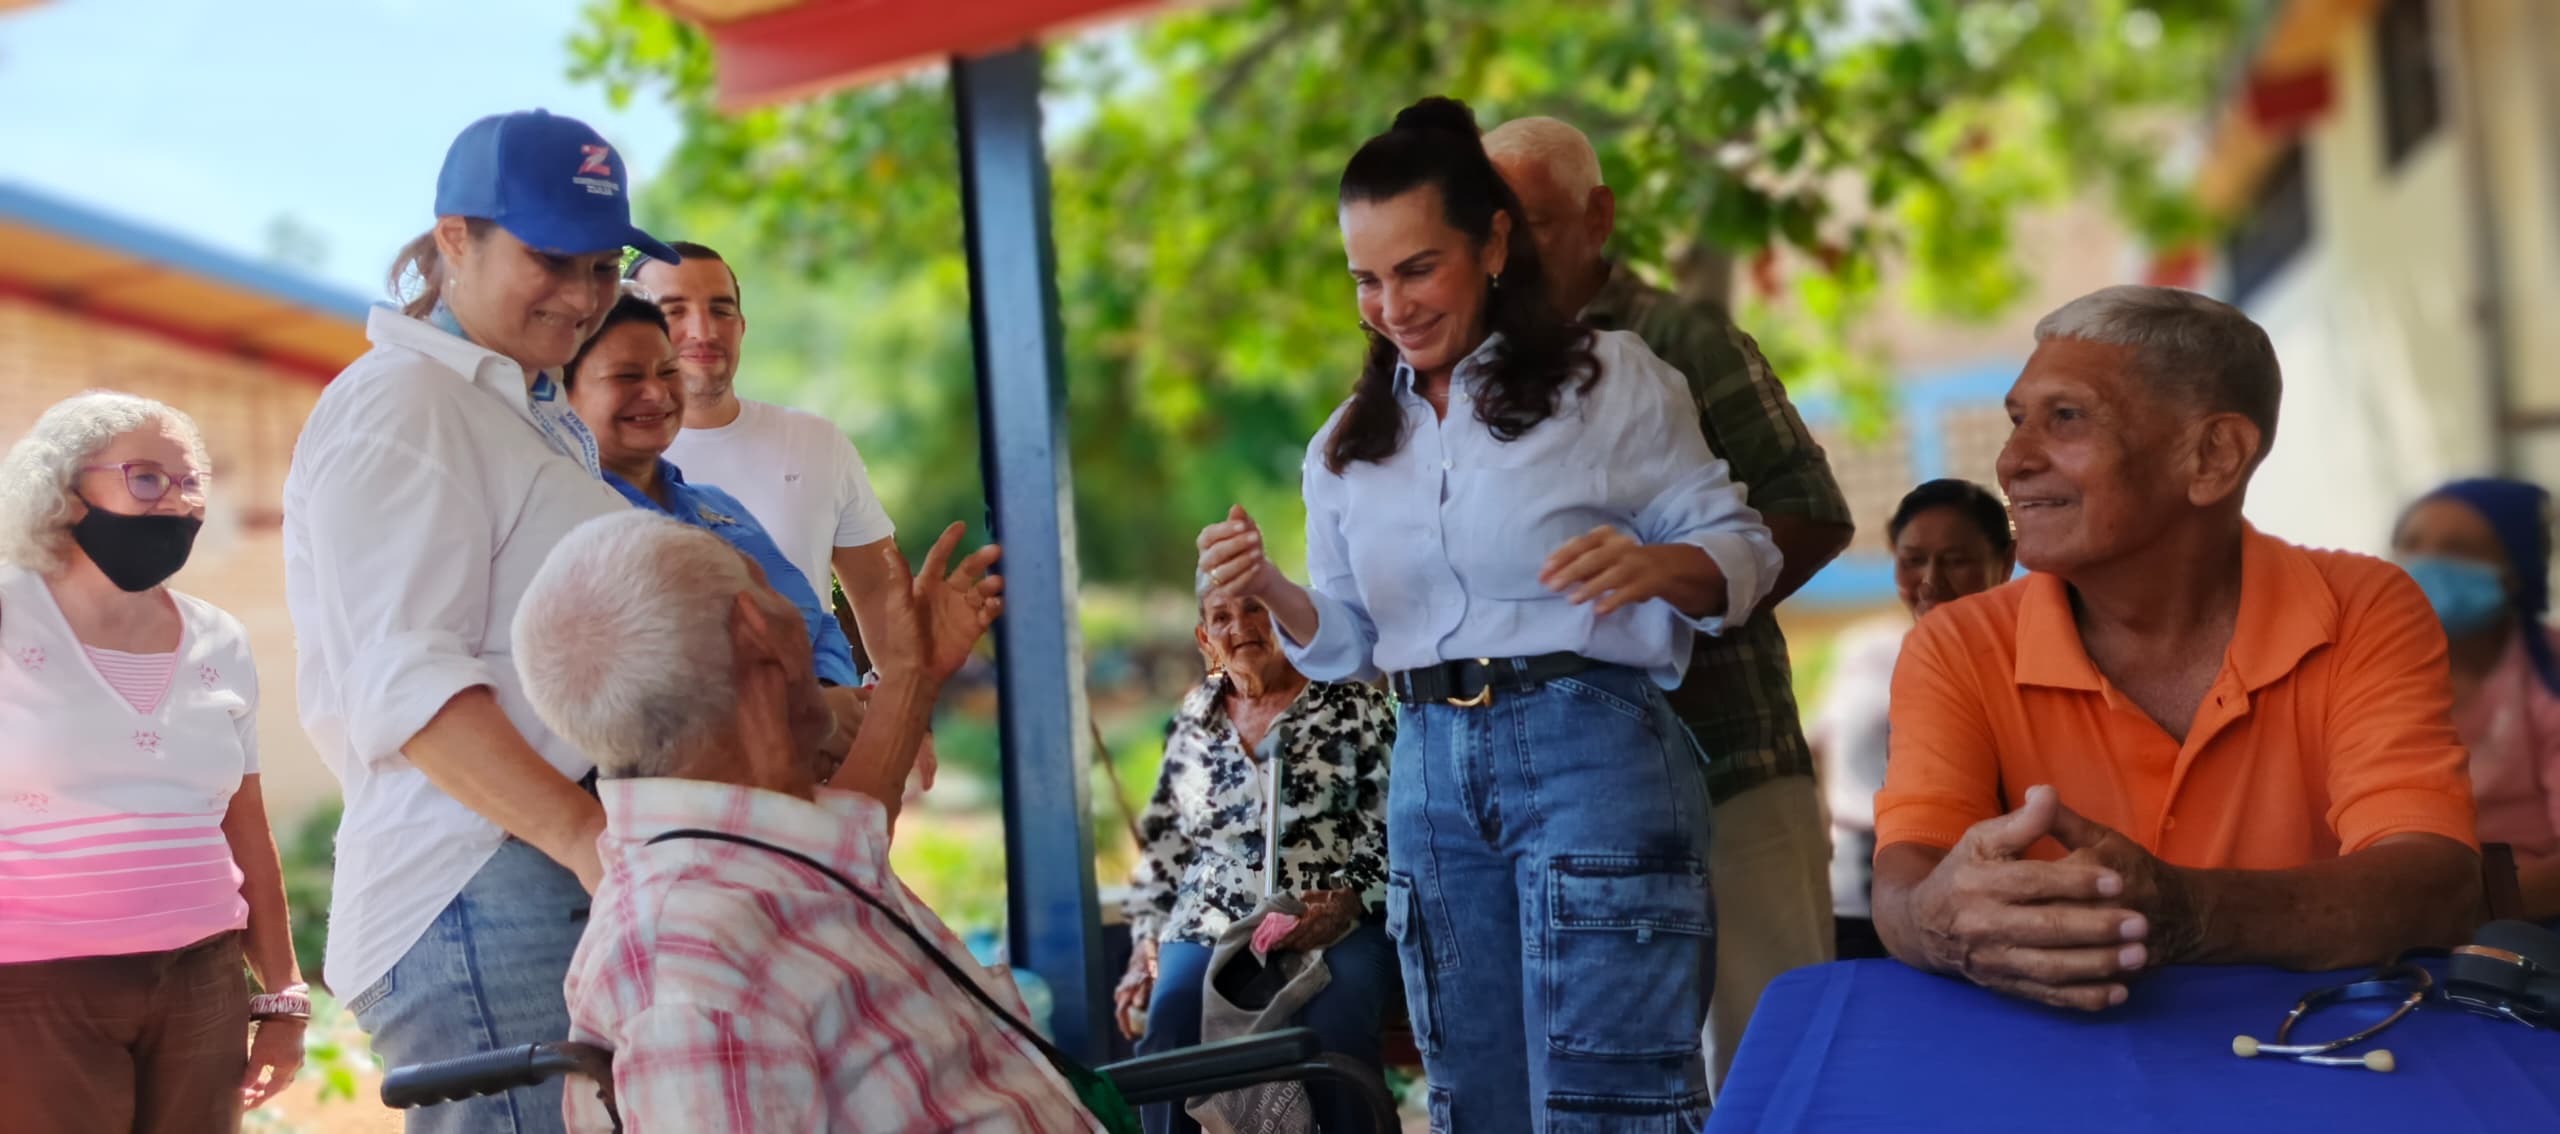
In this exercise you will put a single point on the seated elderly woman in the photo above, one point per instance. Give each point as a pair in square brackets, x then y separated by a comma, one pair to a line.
[2481, 550]
[1259, 756]
[2179, 740]
[752, 961]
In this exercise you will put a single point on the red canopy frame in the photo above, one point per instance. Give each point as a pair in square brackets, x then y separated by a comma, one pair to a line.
[773, 52]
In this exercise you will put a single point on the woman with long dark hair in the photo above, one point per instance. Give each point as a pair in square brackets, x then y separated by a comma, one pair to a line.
[1516, 518]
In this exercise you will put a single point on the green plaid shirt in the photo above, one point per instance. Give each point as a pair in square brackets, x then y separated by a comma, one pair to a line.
[1739, 697]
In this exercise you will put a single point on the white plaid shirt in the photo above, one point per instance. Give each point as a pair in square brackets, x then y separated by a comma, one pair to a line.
[741, 991]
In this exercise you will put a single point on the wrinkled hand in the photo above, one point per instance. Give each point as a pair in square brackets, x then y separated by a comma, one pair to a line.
[1136, 991]
[2152, 888]
[2058, 933]
[1330, 914]
[1233, 557]
[275, 1053]
[1611, 566]
[947, 609]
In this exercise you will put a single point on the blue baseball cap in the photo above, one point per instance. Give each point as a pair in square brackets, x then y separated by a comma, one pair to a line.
[549, 180]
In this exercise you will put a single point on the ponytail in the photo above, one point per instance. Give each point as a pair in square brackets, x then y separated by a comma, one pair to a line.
[417, 274]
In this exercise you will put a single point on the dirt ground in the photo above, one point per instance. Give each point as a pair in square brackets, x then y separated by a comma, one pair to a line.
[300, 1110]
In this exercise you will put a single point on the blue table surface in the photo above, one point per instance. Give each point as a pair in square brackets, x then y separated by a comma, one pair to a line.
[1877, 1046]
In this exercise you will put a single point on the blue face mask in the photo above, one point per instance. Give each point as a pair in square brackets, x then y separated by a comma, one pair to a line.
[2467, 595]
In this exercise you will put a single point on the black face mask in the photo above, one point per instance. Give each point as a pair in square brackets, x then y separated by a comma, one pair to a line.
[136, 553]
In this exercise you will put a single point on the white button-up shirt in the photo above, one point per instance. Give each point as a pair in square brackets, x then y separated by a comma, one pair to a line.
[1433, 554]
[422, 499]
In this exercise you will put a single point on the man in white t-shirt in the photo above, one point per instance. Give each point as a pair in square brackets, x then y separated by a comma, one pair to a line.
[795, 471]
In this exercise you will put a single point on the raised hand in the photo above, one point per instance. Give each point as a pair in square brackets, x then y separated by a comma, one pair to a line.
[1233, 557]
[947, 610]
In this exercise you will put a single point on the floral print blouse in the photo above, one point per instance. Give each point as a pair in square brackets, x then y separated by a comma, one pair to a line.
[1200, 867]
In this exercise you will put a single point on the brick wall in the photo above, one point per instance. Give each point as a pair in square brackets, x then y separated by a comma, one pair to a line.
[250, 415]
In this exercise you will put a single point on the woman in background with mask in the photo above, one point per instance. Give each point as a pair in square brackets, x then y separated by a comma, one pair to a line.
[2481, 550]
[142, 872]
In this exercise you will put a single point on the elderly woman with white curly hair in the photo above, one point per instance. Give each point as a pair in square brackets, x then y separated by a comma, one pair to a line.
[137, 870]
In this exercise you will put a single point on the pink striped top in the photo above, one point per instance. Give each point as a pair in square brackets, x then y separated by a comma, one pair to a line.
[141, 679]
[116, 771]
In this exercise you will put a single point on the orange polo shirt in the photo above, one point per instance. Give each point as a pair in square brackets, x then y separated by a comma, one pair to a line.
[2329, 726]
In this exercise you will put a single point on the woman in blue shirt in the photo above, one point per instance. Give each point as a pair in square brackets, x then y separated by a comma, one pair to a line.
[626, 388]
[1517, 520]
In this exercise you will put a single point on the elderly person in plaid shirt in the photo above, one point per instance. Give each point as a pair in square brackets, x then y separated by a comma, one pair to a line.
[739, 984]
[1770, 852]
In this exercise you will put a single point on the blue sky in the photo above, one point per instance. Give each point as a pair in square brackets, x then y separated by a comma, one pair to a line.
[211, 118]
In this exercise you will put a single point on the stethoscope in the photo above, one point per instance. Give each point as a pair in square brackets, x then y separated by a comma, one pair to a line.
[2501, 975]
[2408, 982]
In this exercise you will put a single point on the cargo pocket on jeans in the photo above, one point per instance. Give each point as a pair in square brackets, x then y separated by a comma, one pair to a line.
[1441, 1101]
[1628, 955]
[1613, 1114]
[1413, 957]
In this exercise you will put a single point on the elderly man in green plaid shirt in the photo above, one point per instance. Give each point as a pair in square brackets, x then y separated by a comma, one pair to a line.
[1771, 850]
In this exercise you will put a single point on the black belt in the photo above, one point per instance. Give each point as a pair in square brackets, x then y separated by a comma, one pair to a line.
[1472, 684]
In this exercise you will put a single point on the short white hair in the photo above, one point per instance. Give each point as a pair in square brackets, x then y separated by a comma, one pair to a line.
[623, 640]
[2195, 350]
[36, 476]
[1555, 146]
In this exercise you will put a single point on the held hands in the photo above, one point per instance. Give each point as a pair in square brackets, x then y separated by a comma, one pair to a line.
[1233, 558]
[2068, 933]
[275, 1054]
[1611, 566]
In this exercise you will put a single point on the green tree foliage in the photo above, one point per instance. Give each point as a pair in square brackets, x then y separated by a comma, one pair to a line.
[1210, 327]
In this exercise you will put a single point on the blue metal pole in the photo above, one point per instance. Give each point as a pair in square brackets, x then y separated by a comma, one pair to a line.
[1055, 929]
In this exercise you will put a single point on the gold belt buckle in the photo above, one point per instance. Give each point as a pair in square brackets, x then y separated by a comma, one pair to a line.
[1483, 696]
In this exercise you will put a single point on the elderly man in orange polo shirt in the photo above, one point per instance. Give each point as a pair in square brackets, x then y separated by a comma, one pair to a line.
[2180, 740]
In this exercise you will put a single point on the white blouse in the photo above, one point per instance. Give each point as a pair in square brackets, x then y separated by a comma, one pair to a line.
[423, 497]
[111, 836]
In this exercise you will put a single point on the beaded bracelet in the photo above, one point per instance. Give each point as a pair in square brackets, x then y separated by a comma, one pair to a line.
[291, 1003]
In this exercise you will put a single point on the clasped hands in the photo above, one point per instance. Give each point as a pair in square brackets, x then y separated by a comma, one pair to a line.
[2071, 933]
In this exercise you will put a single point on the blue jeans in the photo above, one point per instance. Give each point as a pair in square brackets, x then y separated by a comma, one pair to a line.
[1346, 1014]
[1548, 892]
[486, 975]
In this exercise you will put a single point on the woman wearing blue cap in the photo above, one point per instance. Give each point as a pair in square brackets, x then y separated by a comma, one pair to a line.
[2481, 550]
[429, 484]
